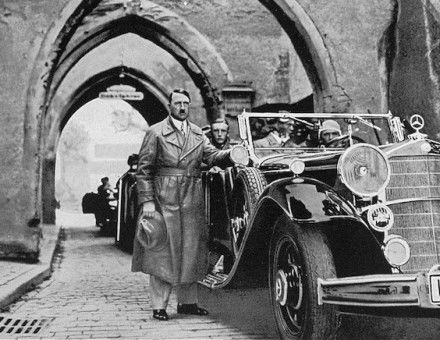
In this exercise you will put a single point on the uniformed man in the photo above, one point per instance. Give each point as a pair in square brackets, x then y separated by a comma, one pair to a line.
[277, 136]
[219, 135]
[171, 197]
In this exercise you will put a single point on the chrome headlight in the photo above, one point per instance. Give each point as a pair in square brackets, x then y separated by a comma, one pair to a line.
[364, 169]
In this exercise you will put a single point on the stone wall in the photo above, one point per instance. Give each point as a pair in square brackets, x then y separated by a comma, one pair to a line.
[250, 40]
[414, 78]
[23, 25]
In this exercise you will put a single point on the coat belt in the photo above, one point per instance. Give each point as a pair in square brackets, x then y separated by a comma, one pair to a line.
[178, 172]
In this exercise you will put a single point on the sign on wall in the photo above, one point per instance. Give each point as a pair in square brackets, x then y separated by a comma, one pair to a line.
[124, 92]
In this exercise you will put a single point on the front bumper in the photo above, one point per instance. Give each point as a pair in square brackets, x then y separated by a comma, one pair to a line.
[391, 290]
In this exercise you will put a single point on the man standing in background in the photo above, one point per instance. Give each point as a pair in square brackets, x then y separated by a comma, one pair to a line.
[219, 134]
[171, 198]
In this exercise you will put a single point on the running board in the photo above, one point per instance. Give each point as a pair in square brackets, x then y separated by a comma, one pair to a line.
[217, 278]
[214, 280]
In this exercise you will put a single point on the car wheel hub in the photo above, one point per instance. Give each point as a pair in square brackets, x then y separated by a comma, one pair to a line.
[281, 287]
[288, 287]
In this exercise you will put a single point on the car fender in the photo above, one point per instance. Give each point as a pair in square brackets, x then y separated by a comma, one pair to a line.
[306, 202]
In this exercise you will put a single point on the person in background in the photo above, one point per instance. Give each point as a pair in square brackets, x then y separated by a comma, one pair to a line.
[330, 130]
[219, 135]
[298, 135]
[170, 196]
[258, 128]
[105, 189]
[277, 135]
[105, 192]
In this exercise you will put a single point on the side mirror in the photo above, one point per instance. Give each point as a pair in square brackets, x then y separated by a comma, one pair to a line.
[239, 155]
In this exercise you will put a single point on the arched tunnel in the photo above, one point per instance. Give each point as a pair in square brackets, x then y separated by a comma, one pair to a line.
[93, 75]
[151, 49]
[298, 55]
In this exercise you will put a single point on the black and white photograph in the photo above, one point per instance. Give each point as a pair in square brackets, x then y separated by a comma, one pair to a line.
[220, 169]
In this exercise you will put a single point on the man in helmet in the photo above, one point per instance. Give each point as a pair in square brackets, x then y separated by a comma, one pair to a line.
[329, 131]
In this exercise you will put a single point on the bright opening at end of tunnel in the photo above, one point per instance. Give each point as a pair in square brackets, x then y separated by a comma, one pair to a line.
[95, 143]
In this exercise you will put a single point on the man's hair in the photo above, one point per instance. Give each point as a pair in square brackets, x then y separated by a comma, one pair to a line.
[178, 90]
[104, 179]
[220, 121]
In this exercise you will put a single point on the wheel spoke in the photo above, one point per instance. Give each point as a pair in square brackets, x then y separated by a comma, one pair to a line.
[290, 260]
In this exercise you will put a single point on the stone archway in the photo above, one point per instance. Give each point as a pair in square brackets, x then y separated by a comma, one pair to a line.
[61, 50]
[314, 55]
[155, 100]
[63, 47]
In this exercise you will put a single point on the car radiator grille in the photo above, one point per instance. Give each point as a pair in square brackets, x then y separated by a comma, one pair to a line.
[418, 221]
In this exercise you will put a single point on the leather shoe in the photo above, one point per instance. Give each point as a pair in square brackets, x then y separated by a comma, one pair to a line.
[191, 309]
[160, 314]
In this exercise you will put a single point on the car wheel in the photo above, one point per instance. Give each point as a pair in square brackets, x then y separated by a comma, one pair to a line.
[248, 186]
[298, 257]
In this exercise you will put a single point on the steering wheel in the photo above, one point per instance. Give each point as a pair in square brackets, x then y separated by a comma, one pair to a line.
[342, 141]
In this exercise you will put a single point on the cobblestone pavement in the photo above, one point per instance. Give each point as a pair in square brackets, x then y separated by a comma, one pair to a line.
[93, 294]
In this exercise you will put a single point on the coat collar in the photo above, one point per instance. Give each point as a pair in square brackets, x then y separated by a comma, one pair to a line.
[169, 132]
[193, 137]
[169, 128]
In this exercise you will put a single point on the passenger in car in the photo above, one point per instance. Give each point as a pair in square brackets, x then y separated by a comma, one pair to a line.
[258, 128]
[277, 134]
[298, 135]
[330, 130]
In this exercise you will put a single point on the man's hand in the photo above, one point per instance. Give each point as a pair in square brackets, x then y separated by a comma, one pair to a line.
[148, 209]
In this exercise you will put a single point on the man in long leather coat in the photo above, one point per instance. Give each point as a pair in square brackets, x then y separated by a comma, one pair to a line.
[169, 183]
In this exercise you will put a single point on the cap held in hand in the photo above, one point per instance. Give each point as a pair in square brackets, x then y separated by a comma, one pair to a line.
[152, 232]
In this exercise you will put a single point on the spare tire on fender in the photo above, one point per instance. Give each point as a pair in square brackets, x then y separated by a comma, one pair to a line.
[248, 186]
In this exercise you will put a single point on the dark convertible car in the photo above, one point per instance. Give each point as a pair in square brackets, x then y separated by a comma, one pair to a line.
[346, 224]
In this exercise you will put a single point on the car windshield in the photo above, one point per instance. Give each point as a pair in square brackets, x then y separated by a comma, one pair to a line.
[272, 134]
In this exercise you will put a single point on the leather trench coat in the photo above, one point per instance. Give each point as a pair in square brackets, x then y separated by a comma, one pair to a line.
[169, 174]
